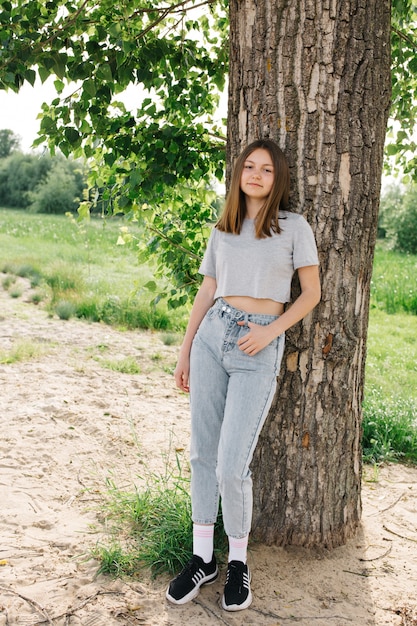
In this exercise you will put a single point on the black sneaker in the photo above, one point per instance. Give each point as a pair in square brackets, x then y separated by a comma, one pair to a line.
[186, 585]
[237, 594]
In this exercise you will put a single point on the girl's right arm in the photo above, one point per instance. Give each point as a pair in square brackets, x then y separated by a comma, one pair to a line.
[203, 301]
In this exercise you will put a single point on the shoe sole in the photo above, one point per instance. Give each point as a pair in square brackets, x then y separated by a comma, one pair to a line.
[208, 580]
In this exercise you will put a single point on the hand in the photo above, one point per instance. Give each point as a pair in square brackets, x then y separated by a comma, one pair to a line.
[256, 339]
[182, 374]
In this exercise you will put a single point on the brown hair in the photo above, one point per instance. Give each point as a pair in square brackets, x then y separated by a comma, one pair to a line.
[234, 211]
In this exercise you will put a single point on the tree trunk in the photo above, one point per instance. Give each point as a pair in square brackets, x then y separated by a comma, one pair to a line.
[315, 76]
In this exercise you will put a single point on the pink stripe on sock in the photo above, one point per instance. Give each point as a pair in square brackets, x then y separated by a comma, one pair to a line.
[238, 543]
[203, 533]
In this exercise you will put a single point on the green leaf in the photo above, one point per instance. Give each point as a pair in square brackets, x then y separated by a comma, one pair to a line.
[392, 149]
[59, 65]
[89, 87]
[44, 73]
[30, 76]
[73, 136]
[59, 85]
[104, 72]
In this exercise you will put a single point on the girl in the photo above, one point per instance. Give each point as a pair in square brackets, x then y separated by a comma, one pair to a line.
[231, 355]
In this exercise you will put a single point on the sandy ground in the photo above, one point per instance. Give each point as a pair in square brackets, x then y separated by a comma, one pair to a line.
[69, 424]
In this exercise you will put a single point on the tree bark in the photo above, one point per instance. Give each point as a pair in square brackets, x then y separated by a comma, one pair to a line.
[315, 76]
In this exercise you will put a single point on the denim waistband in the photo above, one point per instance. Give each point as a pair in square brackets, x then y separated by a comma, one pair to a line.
[237, 314]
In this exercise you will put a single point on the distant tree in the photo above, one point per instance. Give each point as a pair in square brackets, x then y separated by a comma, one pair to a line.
[390, 205]
[9, 142]
[406, 223]
[57, 193]
[23, 176]
[398, 218]
[19, 175]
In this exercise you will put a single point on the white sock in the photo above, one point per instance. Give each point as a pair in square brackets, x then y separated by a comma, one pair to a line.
[238, 549]
[203, 541]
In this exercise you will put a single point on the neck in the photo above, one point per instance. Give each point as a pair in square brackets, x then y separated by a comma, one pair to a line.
[252, 208]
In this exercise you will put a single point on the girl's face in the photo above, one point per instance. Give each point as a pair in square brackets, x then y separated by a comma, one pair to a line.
[257, 176]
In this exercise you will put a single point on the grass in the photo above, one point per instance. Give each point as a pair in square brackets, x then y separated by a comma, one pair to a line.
[390, 406]
[129, 365]
[21, 350]
[152, 527]
[392, 354]
[389, 429]
[394, 281]
[80, 271]
[156, 524]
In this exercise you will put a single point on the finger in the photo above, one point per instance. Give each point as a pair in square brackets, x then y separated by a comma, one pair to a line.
[243, 339]
[180, 378]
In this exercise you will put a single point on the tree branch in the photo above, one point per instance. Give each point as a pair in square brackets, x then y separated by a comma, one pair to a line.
[398, 535]
[82, 604]
[33, 603]
[172, 243]
[404, 37]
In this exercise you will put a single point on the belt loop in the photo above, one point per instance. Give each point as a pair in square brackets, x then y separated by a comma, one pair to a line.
[246, 319]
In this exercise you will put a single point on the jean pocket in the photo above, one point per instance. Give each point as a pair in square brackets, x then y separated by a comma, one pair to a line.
[211, 313]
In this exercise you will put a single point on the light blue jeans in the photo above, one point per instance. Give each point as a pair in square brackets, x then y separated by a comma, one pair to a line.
[230, 396]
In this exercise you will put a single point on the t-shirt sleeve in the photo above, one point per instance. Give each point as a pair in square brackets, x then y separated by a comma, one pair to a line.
[208, 264]
[305, 249]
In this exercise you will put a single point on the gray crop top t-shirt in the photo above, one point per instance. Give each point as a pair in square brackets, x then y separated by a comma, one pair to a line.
[260, 268]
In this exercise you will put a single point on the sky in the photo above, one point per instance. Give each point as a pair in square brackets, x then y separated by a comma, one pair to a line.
[18, 112]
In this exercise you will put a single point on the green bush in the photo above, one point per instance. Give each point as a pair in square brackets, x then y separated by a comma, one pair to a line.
[65, 310]
[42, 183]
[406, 228]
[19, 175]
[389, 428]
[57, 193]
[398, 218]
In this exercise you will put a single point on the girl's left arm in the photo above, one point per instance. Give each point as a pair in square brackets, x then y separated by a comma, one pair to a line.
[259, 337]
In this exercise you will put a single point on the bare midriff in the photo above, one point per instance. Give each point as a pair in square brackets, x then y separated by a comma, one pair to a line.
[262, 306]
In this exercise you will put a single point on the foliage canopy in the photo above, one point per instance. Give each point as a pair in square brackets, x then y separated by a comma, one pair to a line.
[401, 138]
[158, 162]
